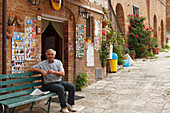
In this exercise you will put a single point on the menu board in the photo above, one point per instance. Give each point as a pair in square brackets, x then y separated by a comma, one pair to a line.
[18, 53]
[79, 40]
[30, 38]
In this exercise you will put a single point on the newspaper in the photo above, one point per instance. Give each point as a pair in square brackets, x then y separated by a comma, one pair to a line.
[39, 92]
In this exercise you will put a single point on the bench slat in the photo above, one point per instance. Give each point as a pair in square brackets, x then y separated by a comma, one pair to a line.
[6, 76]
[25, 99]
[13, 88]
[6, 96]
[9, 82]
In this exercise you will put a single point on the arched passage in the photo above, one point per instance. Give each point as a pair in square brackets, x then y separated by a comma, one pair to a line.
[155, 27]
[120, 17]
[162, 35]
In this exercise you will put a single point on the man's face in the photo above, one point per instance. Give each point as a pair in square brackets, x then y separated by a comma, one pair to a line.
[50, 56]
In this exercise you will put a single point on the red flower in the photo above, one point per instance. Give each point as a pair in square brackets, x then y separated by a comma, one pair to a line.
[147, 29]
[152, 30]
[136, 15]
[104, 32]
[130, 26]
[136, 35]
[148, 43]
[129, 15]
[167, 38]
[133, 21]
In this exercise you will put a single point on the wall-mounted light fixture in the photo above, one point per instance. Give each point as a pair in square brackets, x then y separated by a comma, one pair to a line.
[85, 14]
[34, 2]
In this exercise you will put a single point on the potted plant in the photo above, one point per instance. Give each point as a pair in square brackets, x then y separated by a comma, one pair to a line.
[11, 27]
[104, 22]
[157, 49]
[132, 54]
[81, 81]
[88, 39]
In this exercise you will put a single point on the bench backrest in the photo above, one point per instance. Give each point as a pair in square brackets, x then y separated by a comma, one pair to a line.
[14, 85]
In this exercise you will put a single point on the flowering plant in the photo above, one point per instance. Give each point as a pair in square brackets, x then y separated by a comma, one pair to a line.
[105, 49]
[167, 39]
[139, 36]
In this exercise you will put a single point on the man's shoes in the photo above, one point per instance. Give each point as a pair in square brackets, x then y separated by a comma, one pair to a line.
[70, 108]
[64, 110]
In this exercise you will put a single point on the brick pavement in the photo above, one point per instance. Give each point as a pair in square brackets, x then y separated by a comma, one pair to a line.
[141, 88]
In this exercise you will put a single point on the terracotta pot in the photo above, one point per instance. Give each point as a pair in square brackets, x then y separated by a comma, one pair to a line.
[132, 56]
[10, 30]
[88, 40]
[104, 24]
[156, 50]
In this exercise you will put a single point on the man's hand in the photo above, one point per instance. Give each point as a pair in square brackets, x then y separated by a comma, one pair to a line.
[44, 73]
[50, 71]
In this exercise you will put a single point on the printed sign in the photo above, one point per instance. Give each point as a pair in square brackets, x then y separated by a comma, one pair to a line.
[56, 4]
[18, 53]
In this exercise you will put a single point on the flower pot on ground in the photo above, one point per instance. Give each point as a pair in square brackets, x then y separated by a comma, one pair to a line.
[81, 81]
[156, 50]
[132, 54]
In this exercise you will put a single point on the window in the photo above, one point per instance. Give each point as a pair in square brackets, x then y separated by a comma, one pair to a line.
[89, 27]
[135, 10]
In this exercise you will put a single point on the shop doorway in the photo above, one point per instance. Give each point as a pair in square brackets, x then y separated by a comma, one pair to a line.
[50, 39]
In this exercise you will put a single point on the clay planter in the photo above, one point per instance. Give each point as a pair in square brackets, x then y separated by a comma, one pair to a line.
[88, 40]
[156, 50]
[132, 56]
[10, 30]
[104, 24]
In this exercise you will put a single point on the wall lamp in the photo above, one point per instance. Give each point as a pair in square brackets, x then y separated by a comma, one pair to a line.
[34, 2]
[85, 14]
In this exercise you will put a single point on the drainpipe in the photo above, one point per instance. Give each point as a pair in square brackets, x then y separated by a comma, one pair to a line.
[4, 36]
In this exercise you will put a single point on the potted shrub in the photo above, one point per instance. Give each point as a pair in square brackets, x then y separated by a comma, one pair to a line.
[132, 54]
[88, 39]
[157, 49]
[81, 81]
[10, 27]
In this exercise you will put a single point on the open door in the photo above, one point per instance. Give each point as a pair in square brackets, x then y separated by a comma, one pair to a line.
[51, 40]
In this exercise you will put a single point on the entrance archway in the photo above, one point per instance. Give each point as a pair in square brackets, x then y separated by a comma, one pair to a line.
[120, 17]
[162, 35]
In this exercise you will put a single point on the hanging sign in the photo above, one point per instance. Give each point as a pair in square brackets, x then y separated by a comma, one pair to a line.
[56, 4]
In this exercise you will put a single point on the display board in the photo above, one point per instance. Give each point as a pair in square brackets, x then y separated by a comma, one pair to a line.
[97, 35]
[79, 40]
[30, 38]
[18, 53]
[90, 55]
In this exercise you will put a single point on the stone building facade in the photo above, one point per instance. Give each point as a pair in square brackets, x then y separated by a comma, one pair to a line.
[68, 18]
[153, 10]
[168, 16]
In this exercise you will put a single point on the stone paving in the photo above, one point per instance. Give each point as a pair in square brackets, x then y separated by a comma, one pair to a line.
[141, 88]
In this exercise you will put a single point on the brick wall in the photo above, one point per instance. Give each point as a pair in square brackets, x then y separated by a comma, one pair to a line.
[23, 8]
[168, 17]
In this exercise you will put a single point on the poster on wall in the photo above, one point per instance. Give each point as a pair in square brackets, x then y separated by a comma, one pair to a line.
[18, 53]
[97, 35]
[30, 38]
[79, 40]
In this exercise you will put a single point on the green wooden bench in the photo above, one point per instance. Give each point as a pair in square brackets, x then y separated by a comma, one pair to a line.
[15, 90]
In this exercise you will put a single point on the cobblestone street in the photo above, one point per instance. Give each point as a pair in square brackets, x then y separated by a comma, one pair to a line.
[141, 88]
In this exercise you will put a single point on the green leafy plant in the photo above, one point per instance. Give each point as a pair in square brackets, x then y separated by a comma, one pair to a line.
[88, 38]
[81, 81]
[11, 22]
[139, 36]
[127, 51]
[132, 52]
